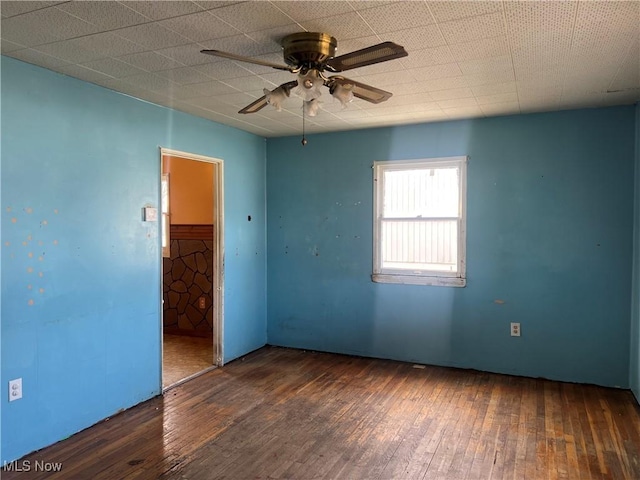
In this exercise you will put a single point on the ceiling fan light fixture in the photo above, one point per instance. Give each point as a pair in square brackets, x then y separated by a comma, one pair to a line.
[276, 97]
[311, 107]
[343, 93]
[309, 55]
[309, 84]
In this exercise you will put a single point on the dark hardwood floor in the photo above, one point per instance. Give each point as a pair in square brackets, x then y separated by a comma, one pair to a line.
[282, 413]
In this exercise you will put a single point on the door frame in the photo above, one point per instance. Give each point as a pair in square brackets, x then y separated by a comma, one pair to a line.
[218, 257]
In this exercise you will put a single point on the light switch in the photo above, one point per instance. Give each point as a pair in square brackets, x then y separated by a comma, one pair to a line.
[150, 214]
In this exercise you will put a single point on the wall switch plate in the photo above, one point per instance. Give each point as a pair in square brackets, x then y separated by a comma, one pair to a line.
[515, 329]
[150, 214]
[15, 389]
[201, 303]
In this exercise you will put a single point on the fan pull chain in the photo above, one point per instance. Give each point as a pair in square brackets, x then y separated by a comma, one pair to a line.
[304, 140]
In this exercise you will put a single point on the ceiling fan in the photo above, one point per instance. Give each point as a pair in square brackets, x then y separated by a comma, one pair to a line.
[310, 55]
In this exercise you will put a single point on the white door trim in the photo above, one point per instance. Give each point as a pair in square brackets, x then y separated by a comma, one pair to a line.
[218, 242]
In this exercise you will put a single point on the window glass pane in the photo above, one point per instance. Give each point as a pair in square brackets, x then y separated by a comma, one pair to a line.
[423, 192]
[420, 245]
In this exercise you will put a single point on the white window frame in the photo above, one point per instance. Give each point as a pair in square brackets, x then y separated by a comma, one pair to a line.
[419, 277]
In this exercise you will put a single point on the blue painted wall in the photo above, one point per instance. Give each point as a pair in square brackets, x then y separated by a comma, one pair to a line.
[81, 271]
[550, 228]
[634, 369]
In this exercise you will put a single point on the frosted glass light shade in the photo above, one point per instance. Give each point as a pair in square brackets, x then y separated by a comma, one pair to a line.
[343, 93]
[275, 97]
[309, 85]
[311, 107]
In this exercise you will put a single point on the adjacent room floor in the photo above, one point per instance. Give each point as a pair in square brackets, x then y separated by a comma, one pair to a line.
[284, 413]
[184, 356]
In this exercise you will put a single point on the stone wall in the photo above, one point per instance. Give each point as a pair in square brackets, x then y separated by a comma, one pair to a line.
[188, 276]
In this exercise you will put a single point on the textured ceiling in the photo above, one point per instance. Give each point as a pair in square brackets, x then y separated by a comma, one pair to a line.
[466, 58]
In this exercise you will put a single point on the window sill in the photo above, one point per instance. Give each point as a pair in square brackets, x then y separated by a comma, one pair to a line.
[417, 280]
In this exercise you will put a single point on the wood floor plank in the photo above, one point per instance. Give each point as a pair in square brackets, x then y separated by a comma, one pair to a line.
[284, 413]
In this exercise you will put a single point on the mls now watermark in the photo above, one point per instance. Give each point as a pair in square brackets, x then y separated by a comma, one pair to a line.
[32, 466]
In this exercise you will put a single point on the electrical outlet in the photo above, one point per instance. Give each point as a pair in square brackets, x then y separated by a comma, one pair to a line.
[15, 389]
[515, 329]
[201, 303]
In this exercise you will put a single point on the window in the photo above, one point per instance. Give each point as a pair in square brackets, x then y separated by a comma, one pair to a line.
[419, 221]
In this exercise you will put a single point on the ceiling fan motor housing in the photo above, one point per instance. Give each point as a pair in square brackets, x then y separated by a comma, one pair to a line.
[308, 49]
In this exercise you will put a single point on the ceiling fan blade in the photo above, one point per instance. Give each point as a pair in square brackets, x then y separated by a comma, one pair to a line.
[262, 102]
[367, 56]
[361, 90]
[255, 106]
[240, 58]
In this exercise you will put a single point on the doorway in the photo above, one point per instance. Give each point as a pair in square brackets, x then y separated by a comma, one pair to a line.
[192, 265]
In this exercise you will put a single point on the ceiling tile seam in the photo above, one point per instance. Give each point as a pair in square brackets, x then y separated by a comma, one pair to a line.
[134, 11]
[234, 119]
[101, 57]
[573, 31]
[202, 47]
[225, 82]
[157, 22]
[210, 12]
[293, 20]
[207, 10]
[359, 2]
[11, 54]
[369, 26]
[335, 117]
[227, 3]
[77, 18]
[508, 34]
[91, 69]
[278, 123]
[467, 17]
[437, 24]
[172, 84]
[112, 30]
[238, 64]
[120, 59]
[64, 12]
[250, 73]
[166, 18]
[626, 55]
[38, 9]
